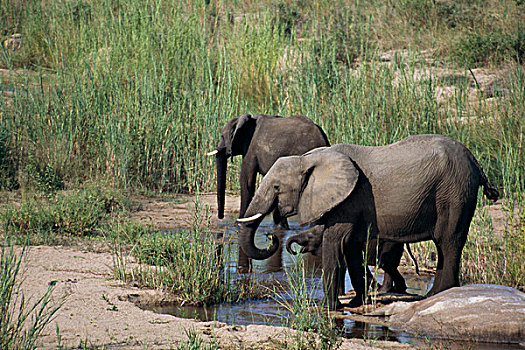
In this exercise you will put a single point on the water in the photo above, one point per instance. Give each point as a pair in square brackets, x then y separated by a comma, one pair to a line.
[271, 312]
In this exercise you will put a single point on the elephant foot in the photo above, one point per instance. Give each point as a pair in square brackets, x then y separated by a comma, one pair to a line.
[433, 291]
[375, 285]
[392, 289]
[384, 289]
[244, 269]
[402, 290]
[355, 302]
[333, 304]
[337, 306]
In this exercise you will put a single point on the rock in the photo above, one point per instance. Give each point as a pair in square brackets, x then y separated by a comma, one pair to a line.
[478, 312]
[14, 42]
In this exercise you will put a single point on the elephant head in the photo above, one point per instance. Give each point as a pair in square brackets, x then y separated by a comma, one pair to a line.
[235, 140]
[309, 186]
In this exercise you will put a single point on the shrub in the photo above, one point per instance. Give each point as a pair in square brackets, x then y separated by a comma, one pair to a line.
[79, 213]
[476, 49]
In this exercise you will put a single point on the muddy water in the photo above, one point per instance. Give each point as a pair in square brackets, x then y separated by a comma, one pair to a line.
[270, 311]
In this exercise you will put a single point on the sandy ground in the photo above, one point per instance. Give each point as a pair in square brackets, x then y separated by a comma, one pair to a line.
[97, 309]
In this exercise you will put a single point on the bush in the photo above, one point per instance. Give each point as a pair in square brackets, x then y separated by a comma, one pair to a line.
[477, 49]
[80, 213]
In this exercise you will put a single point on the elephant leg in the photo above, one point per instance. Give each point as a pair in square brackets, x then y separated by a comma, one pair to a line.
[247, 181]
[390, 258]
[356, 269]
[244, 264]
[333, 267]
[396, 282]
[449, 243]
[451, 262]
[388, 284]
[439, 269]
[342, 275]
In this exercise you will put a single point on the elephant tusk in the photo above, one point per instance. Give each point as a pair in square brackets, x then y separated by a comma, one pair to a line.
[212, 153]
[251, 218]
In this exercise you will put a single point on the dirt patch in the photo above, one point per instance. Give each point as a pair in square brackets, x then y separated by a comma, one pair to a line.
[179, 211]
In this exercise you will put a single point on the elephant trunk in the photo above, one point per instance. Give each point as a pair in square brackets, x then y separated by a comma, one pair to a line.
[247, 241]
[289, 243]
[222, 165]
[262, 204]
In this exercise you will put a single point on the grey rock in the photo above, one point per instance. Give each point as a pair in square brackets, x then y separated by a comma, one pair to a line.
[478, 312]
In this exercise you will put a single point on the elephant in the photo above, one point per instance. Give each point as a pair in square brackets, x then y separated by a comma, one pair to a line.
[261, 140]
[423, 187]
[390, 254]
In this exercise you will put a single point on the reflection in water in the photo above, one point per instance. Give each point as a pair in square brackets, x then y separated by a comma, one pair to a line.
[270, 311]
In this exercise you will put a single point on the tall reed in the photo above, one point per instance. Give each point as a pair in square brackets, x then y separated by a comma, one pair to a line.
[136, 93]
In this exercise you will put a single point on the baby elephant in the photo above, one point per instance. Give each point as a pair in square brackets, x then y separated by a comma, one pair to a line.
[390, 254]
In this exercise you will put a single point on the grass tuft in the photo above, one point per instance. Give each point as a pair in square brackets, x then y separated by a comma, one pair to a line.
[22, 321]
[190, 263]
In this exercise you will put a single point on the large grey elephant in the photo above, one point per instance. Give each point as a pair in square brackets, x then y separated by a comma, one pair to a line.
[421, 188]
[261, 140]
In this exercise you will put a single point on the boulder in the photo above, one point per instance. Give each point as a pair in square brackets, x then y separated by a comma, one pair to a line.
[477, 312]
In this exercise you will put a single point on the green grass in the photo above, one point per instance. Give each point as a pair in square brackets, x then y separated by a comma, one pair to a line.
[310, 317]
[496, 258]
[195, 342]
[60, 217]
[136, 94]
[189, 263]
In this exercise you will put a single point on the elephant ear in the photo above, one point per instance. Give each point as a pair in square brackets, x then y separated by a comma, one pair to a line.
[330, 177]
[242, 134]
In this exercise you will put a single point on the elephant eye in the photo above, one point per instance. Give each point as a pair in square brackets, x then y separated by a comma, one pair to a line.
[276, 188]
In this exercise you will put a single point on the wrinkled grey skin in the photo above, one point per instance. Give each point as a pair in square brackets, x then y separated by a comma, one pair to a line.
[390, 254]
[261, 140]
[421, 188]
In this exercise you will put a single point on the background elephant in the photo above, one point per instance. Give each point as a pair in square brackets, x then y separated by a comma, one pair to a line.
[261, 140]
[421, 188]
[389, 258]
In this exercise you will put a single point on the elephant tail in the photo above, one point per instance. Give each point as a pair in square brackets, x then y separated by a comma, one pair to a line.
[409, 251]
[490, 192]
[325, 138]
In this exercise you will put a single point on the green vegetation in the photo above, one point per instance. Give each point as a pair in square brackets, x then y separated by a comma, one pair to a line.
[21, 320]
[496, 258]
[315, 328]
[136, 93]
[189, 263]
[60, 217]
[195, 342]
